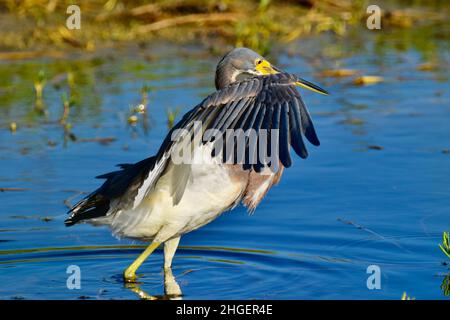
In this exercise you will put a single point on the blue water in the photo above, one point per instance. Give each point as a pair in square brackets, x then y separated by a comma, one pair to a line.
[343, 209]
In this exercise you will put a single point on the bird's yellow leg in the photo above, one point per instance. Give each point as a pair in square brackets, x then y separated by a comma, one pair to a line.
[129, 274]
[141, 293]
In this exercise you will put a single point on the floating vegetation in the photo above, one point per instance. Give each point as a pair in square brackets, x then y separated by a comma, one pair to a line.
[353, 121]
[427, 66]
[133, 119]
[338, 73]
[445, 247]
[367, 80]
[13, 126]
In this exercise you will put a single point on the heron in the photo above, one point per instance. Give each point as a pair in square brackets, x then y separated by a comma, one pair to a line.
[159, 199]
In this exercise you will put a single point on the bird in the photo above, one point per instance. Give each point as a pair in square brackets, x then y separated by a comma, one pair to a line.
[161, 198]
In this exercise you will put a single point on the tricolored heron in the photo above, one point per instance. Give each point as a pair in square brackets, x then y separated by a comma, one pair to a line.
[159, 199]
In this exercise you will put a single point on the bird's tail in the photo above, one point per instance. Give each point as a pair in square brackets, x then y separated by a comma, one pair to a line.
[93, 206]
[98, 203]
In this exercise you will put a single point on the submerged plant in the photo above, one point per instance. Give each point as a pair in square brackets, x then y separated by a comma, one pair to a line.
[445, 286]
[171, 116]
[66, 109]
[144, 97]
[74, 94]
[445, 247]
[39, 86]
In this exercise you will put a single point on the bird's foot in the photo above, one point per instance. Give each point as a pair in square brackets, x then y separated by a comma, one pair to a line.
[129, 276]
[172, 289]
[171, 286]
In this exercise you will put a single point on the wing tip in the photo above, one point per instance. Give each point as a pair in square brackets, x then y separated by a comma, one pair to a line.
[314, 142]
[304, 155]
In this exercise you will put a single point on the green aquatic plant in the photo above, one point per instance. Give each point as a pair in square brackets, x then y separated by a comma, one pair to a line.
[445, 247]
[171, 116]
[445, 286]
[74, 95]
[66, 108]
[39, 86]
[144, 96]
[68, 102]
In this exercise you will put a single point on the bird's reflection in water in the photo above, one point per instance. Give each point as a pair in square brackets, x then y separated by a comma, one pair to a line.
[172, 290]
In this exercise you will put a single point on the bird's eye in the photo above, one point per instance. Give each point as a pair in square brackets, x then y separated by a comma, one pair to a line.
[258, 62]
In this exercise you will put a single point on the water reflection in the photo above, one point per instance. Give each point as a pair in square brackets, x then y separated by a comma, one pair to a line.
[172, 290]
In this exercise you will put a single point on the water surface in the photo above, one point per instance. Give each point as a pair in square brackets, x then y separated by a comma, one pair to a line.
[375, 192]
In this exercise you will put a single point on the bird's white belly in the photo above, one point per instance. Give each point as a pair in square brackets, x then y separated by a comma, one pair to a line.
[209, 192]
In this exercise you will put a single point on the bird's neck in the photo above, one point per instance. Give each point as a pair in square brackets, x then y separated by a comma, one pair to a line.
[226, 75]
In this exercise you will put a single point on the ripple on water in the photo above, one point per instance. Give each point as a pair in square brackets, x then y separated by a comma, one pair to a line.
[243, 273]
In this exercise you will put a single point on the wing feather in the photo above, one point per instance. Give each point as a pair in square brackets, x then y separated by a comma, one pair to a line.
[283, 141]
[297, 140]
[263, 102]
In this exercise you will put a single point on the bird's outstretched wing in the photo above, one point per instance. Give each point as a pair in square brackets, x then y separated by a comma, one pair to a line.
[262, 102]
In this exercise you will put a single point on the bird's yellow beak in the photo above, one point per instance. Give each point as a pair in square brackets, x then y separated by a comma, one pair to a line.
[264, 67]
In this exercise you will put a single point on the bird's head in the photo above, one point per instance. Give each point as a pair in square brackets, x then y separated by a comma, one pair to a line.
[241, 63]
